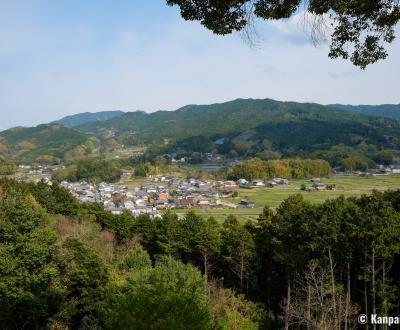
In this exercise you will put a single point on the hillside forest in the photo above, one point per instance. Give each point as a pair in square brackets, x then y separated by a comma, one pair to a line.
[350, 138]
[66, 265]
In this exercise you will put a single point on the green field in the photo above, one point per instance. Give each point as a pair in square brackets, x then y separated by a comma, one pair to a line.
[345, 185]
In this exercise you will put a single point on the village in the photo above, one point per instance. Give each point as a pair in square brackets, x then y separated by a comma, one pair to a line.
[164, 192]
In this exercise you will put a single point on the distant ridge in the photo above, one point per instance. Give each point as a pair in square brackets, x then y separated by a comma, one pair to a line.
[292, 128]
[382, 110]
[88, 117]
[249, 127]
[46, 143]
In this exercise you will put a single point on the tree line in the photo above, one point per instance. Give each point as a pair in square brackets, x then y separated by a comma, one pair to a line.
[93, 170]
[295, 168]
[302, 266]
[7, 167]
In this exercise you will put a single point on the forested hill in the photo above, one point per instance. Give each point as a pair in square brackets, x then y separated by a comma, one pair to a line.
[229, 118]
[242, 128]
[289, 126]
[383, 110]
[45, 143]
[88, 117]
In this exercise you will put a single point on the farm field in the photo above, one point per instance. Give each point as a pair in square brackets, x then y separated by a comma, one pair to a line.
[345, 185]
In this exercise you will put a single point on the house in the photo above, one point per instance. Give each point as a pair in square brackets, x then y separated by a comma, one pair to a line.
[242, 182]
[140, 202]
[184, 203]
[204, 203]
[163, 196]
[394, 168]
[227, 193]
[226, 204]
[320, 186]
[130, 194]
[230, 183]
[270, 183]
[258, 183]
[130, 205]
[280, 181]
[244, 203]
[116, 210]
[161, 205]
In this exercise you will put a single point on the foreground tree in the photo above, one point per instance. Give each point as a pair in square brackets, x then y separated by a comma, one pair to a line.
[201, 240]
[169, 296]
[360, 28]
[29, 278]
[381, 243]
[85, 277]
[237, 251]
[313, 302]
[230, 311]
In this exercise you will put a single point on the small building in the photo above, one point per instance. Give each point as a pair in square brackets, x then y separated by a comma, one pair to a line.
[163, 196]
[184, 203]
[204, 203]
[258, 183]
[320, 186]
[280, 181]
[230, 183]
[244, 203]
[242, 182]
[161, 205]
[226, 204]
[270, 183]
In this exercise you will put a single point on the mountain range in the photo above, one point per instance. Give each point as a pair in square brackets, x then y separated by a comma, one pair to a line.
[88, 117]
[383, 110]
[245, 126]
[45, 143]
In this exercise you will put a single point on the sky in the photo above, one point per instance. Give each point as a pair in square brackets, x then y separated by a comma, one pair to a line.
[63, 57]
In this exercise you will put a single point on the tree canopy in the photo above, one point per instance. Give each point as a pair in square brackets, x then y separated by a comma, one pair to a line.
[360, 28]
[302, 264]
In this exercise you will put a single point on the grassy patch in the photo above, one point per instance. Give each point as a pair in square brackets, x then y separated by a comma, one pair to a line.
[345, 185]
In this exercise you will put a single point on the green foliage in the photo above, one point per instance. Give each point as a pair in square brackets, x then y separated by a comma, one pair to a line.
[29, 278]
[286, 168]
[237, 250]
[384, 110]
[93, 170]
[291, 128]
[355, 162]
[385, 157]
[232, 311]
[247, 128]
[169, 296]
[269, 155]
[85, 276]
[142, 170]
[359, 28]
[88, 117]
[201, 240]
[7, 167]
[55, 199]
[136, 259]
[169, 237]
[44, 143]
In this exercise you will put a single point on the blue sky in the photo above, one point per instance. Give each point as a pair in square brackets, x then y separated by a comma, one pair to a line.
[63, 57]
